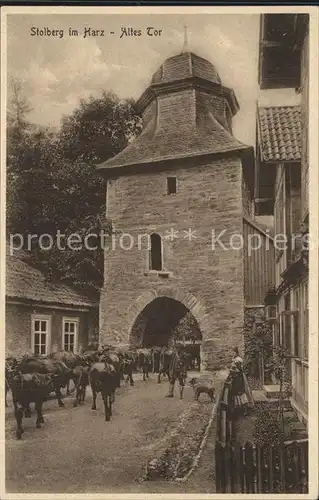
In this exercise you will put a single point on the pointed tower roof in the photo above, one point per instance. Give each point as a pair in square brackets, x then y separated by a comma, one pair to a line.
[186, 112]
[185, 65]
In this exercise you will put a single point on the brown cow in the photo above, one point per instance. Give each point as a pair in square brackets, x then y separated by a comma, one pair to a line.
[103, 379]
[80, 376]
[60, 371]
[30, 388]
[71, 360]
[144, 361]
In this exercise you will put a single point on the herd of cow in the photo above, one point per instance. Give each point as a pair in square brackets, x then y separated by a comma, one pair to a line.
[31, 379]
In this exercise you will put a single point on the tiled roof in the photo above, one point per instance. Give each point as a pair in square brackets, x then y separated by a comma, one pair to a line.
[24, 281]
[185, 118]
[185, 65]
[208, 137]
[279, 133]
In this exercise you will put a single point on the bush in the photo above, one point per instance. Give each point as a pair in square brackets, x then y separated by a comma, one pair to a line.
[267, 429]
[258, 339]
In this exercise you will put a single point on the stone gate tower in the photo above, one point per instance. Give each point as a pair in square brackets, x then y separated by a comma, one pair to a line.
[175, 196]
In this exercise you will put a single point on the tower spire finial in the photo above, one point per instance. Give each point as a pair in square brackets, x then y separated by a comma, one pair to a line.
[185, 46]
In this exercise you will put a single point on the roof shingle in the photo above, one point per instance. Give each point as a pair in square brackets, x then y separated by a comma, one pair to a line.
[24, 281]
[185, 65]
[187, 116]
[280, 133]
[151, 146]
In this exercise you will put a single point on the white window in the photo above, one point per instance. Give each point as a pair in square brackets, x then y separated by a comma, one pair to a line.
[40, 335]
[70, 334]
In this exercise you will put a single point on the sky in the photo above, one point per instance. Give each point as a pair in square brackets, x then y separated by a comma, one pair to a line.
[57, 72]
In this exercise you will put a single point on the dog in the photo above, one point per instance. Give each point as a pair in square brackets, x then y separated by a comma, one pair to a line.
[202, 386]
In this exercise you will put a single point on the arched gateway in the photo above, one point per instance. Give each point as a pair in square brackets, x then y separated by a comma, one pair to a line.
[180, 182]
[161, 315]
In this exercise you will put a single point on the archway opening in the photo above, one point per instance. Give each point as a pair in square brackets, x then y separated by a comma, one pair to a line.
[164, 321]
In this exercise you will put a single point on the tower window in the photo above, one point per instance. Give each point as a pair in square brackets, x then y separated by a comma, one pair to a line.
[156, 252]
[171, 185]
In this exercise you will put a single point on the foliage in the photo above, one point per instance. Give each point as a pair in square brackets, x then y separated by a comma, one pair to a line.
[271, 426]
[53, 187]
[267, 430]
[187, 328]
[99, 128]
[258, 340]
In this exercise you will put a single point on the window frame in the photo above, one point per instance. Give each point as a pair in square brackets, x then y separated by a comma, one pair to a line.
[305, 323]
[76, 321]
[294, 336]
[167, 185]
[47, 319]
[150, 255]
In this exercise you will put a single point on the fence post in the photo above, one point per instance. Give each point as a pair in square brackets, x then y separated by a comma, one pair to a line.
[242, 469]
[249, 467]
[282, 468]
[304, 467]
[262, 367]
[218, 470]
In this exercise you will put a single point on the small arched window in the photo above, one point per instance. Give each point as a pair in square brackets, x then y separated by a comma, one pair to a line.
[156, 252]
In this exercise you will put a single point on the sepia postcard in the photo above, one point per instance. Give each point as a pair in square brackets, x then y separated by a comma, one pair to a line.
[159, 252]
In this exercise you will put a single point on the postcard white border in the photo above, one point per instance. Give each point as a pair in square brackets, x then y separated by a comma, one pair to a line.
[314, 213]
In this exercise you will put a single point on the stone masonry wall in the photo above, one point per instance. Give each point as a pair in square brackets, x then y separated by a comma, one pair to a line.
[18, 326]
[208, 281]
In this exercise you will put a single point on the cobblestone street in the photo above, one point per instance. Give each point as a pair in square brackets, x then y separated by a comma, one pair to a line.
[76, 451]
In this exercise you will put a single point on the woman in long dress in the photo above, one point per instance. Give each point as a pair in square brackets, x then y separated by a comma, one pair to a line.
[241, 395]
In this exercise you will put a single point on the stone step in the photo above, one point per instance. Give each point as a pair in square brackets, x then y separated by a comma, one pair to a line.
[291, 415]
[272, 404]
[298, 426]
[295, 436]
[272, 391]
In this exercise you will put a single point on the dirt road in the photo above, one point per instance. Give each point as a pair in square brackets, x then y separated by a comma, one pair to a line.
[76, 451]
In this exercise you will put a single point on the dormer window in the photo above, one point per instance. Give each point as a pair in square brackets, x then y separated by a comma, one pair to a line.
[171, 185]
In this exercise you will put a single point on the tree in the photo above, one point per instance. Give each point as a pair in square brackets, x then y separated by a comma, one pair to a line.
[53, 185]
[19, 154]
[99, 128]
[187, 328]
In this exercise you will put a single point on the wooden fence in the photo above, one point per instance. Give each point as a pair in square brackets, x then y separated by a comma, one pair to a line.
[256, 469]
[224, 420]
[252, 468]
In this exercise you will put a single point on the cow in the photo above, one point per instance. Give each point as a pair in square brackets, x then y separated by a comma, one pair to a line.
[144, 361]
[30, 388]
[165, 359]
[194, 351]
[71, 360]
[103, 379]
[177, 370]
[200, 386]
[128, 366]
[45, 365]
[128, 361]
[109, 356]
[80, 376]
[156, 354]
[90, 356]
